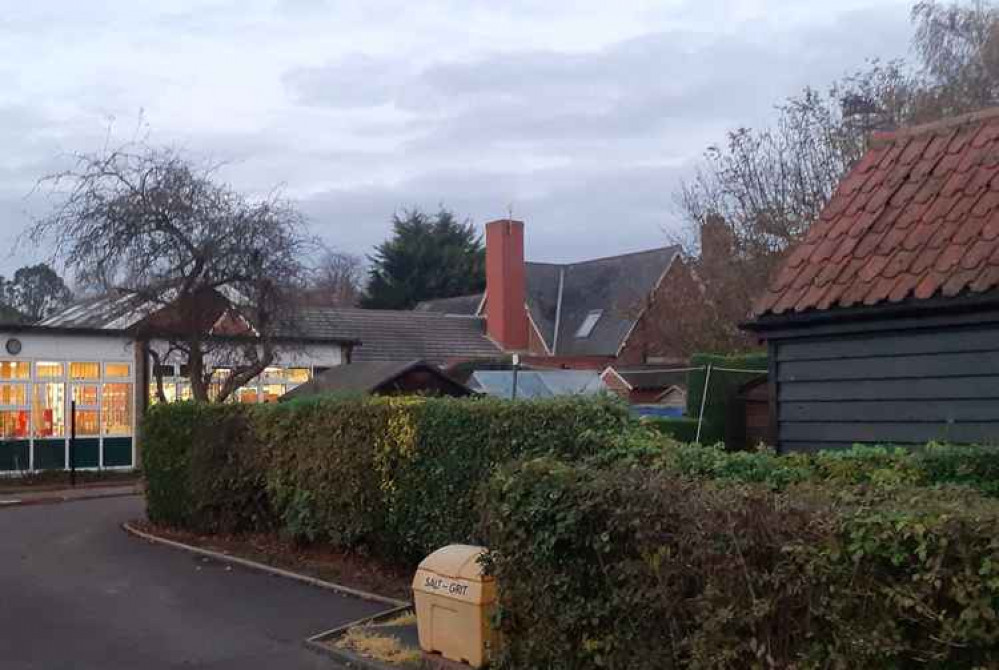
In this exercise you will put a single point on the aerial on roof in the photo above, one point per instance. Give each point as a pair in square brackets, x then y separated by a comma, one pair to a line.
[916, 218]
[586, 308]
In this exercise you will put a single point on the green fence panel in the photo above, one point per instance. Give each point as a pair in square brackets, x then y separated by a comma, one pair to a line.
[86, 452]
[14, 455]
[117, 452]
[50, 454]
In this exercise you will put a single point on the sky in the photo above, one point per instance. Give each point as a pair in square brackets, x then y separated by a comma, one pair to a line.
[581, 117]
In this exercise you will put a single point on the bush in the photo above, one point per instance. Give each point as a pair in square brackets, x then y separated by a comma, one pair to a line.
[399, 477]
[627, 567]
[721, 388]
[681, 428]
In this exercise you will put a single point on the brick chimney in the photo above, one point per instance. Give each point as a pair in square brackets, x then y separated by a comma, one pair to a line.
[506, 284]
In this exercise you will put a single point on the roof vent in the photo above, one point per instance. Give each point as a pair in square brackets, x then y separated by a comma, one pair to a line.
[589, 323]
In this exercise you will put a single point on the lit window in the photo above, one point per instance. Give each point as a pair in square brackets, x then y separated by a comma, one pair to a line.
[117, 409]
[47, 370]
[274, 374]
[117, 370]
[589, 323]
[299, 375]
[271, 392]
[15, 370]
[84, 370]
[13, 394]
[248, 396]
[85, 394]
[50, 410]
[14, 424]
[87, 423]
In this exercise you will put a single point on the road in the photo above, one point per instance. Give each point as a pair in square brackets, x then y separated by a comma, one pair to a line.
[77, 593]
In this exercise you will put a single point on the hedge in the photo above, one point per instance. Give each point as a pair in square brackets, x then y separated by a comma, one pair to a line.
[398, 477]
[721, 388]
[639, 568]
[680, 428]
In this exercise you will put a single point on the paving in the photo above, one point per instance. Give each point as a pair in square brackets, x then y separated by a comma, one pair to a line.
[50, 495]
[77, 593]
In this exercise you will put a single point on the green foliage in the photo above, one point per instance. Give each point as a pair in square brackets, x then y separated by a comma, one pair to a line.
[630, 567]
[883, 467]
[427, 257]
[35, 292]
[394, 476]
[680, 428]
[721, 389]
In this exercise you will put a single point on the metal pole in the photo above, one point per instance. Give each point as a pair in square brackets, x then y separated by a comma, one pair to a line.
[72, 443]
[704, 400]
[516, 370]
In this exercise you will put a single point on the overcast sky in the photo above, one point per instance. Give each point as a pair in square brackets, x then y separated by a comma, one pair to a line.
[582, 116]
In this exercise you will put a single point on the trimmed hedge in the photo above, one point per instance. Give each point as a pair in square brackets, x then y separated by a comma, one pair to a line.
[680, 428]
[639, 568]
[721, 388]
[398, 477]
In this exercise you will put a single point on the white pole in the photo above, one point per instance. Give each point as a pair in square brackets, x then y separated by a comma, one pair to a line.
[704, 400]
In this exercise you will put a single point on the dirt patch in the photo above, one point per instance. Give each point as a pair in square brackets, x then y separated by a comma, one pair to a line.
[326, 563]
[370, 642]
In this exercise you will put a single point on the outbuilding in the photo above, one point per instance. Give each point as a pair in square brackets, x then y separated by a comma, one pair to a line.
[383, 378]
[883, 324]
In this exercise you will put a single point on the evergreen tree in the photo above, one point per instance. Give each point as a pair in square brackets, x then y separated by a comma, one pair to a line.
[427, 257]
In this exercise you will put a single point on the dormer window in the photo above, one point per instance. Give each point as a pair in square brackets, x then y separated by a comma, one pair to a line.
[589, 323]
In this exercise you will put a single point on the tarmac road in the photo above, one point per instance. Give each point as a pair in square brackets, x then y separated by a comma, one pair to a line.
[78, 593]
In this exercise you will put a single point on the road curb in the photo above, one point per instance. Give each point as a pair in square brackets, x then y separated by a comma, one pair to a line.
[262, 567]
[343, 657]
[10, 503]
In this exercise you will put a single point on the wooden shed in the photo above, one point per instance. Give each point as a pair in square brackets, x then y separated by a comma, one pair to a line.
[407, 378]
[883, 324]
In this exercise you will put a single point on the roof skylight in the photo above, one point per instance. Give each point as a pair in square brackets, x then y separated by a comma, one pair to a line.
[589, 323]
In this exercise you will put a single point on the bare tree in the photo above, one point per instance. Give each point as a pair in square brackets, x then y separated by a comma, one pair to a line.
[209, 268]
[336, 281]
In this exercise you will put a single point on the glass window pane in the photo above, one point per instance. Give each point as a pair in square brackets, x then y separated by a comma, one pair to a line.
[299, 375]
[117, 409]
[248, 396]
[48, 370]
[13, 394]
[14, 424]
[87, 424]
[169, 392]
[85, 370]
[275, 373]
[50, 410]
[85, 394]
[15, 370]
[118, 370]
[271, 392]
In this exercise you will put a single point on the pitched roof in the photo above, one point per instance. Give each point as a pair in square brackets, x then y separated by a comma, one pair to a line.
[561, 296]
[916, 218]
[538, 383]
[465, 305]
[368, 378]
[391, 335]
[650, 379]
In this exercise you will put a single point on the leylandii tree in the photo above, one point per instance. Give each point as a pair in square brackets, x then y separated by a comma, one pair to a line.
[208, 268]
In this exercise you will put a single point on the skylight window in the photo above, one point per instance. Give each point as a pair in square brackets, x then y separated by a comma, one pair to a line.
[589, 323]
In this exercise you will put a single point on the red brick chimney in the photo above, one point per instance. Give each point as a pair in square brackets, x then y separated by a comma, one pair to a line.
[506, 284]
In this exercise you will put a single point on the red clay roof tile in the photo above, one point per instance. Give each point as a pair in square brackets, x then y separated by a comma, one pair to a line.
[917, 216]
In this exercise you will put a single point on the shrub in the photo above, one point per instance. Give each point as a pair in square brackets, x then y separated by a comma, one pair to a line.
[396, 476]
[681, 428]
[626, 567]
[721, 389]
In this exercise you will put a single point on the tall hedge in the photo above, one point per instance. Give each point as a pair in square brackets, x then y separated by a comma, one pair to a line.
[399, 477]
[722, 387]
[638, 568]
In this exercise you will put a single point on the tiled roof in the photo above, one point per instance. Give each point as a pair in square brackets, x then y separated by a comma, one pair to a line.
[367, 378]
[563, 295]
[389, 335]
[466, 305]
[916, 218]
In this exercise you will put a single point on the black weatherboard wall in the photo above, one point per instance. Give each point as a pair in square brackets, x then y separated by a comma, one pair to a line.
[898, 380]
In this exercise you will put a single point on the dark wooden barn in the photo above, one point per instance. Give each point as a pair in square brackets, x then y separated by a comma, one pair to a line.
[411, 378]
[883, 324]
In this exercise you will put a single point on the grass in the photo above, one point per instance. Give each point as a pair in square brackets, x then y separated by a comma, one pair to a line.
[368, 642]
